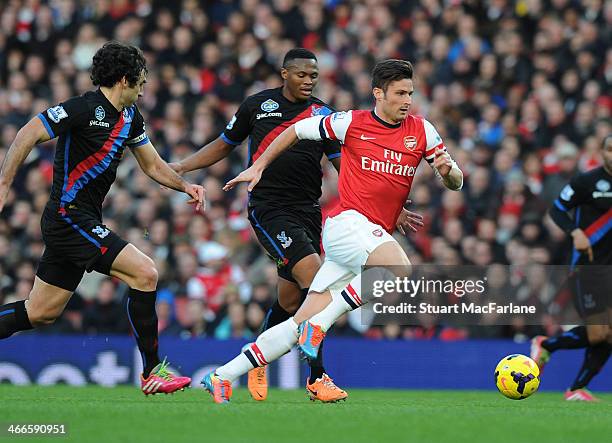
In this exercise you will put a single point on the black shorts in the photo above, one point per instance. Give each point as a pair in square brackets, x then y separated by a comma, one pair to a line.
[75, 243]
[593, 294]
[287, 234]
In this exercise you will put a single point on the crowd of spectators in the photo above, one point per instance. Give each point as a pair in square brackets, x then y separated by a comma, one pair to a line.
[519, 91]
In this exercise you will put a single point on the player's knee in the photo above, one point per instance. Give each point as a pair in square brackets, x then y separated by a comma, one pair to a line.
[290, 304]
[147, 276]
[598, 335]
[390, 256]
[305, 270]
[402, 271]
[41, 316]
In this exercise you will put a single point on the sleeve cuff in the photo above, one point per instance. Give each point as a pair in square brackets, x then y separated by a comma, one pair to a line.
[144, 141]
[333, 156]
[46, 123]
[560, 206]
[228, 141]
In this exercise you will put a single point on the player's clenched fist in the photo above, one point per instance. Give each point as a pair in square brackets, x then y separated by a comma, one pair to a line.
[196, 192]
[582, 243]
[443, 162]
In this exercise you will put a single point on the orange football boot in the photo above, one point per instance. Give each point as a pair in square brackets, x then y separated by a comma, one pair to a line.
[258, 383]
[325, 390]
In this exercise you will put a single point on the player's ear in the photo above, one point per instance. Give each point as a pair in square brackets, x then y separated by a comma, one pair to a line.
[284, 73]
[379, 94]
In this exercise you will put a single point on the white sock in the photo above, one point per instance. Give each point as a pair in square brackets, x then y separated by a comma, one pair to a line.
[345, 300]
[270, 345]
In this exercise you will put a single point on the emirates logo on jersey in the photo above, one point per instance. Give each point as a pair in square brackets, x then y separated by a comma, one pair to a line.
[410, 142]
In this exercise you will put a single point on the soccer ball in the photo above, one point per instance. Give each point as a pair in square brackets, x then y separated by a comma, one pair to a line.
[517, 376]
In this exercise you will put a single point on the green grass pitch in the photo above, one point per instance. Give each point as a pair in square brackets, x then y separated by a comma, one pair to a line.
[95, 414]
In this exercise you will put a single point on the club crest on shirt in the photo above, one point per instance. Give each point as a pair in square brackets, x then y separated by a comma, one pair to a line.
[319, 110]
[100, 231]
[100, 113]
[410, 142]
[269, 105]
[284, 240]
[377, 232]
[127, 116]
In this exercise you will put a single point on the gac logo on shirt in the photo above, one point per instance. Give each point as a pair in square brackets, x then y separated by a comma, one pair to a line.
[269, 114]
[99, 113]
[269, 105]
[603, 188]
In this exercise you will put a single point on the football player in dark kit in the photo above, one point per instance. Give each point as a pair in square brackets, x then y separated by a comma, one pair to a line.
[94, 129]
[284, 209]
[590, 196]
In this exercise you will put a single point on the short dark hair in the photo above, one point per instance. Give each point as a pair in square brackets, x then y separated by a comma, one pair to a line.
[389, 71]
[116, 60]
[298, 53]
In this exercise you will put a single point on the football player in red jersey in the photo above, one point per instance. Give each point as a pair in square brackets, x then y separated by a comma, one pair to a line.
[381, 150]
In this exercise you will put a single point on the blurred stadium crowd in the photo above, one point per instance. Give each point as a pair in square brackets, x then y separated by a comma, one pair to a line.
[519, 90]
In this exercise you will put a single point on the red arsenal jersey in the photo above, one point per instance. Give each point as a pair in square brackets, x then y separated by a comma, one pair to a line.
[379, 159]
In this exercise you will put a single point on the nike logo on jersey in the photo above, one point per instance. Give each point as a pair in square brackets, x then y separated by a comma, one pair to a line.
[363, 137]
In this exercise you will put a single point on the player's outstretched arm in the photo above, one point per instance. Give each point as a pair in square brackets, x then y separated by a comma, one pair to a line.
[452, 177]
[156, 168]
[206, 156]
[252, 175]
[31, 134]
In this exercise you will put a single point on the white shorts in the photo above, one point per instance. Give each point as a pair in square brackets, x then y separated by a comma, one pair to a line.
[348, 240]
